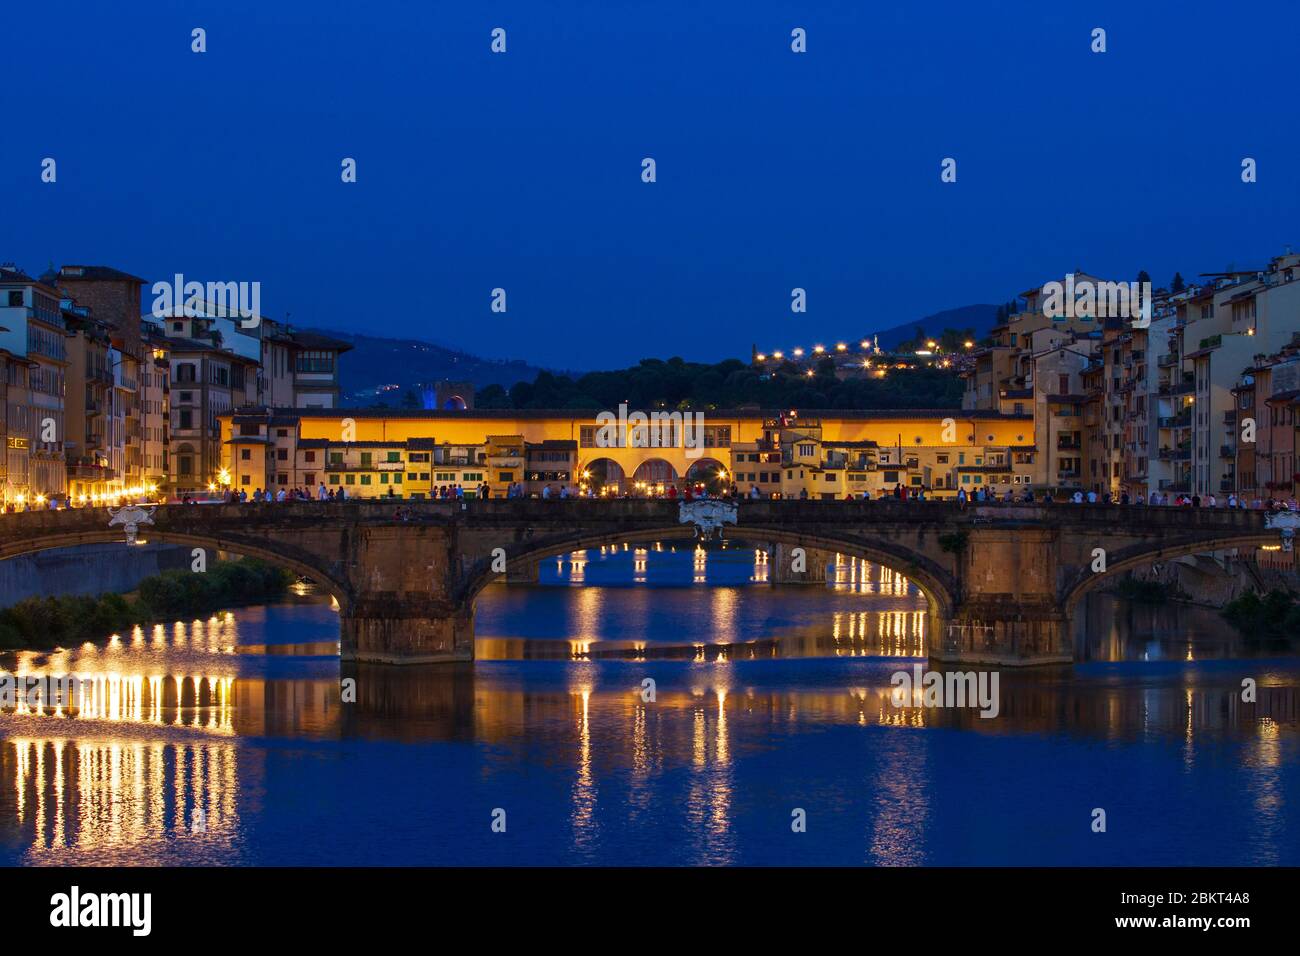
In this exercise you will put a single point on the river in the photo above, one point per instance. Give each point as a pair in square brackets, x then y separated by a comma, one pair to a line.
[771, 738]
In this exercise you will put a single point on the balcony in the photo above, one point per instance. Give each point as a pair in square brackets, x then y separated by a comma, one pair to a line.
[1167, 361]
[1175, 454]
[1066, 443]
[1175, 421]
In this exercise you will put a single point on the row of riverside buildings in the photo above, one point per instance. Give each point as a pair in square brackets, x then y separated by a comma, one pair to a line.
[102, 403]
[1202, 401]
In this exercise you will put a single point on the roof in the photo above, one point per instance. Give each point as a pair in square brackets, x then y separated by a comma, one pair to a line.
[316, 341]
[559, 444]
[96, 274]
[14, 274]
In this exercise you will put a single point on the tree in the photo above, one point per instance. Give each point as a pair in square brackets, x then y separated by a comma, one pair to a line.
[411, 400]
[1143, 276]
[1178, 285]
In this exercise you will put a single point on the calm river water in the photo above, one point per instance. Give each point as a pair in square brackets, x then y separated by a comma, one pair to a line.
[226, 742]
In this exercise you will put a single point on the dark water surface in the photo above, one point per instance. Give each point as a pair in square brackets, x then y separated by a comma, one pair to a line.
[225, 741]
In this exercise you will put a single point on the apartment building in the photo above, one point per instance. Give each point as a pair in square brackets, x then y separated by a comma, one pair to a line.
[90, 403]
[32, 329]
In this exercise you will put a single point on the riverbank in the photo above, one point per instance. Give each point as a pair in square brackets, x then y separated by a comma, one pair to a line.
[48, 622]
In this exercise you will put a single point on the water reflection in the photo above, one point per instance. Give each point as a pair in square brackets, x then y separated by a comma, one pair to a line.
[119, 800]
[228, 740]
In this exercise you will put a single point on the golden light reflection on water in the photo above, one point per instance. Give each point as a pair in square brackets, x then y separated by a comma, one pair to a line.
[119, 799]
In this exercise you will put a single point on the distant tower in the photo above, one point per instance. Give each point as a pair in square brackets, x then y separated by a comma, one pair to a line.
[450, 396]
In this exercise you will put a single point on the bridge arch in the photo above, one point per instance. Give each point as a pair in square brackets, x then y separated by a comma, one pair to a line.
[1085, 581]
[934, 582]
[250, 548]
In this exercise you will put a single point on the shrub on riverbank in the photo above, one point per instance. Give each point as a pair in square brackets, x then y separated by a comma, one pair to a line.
[228, 584]
[63, 621]
[1276, 614]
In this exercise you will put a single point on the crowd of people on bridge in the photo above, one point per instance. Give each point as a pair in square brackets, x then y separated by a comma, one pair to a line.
[690, 492]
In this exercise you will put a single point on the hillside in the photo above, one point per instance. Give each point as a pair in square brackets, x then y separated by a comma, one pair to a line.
[380, 369]
[980, 318]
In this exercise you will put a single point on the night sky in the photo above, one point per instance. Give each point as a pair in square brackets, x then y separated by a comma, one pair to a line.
[523, 170]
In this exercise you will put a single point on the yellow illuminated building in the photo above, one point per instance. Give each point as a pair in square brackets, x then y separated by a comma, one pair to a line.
[378, 452]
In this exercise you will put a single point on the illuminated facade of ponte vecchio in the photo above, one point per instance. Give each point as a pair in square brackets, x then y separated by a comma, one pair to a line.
[828, 454]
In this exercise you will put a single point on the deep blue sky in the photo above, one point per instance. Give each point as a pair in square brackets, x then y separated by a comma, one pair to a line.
[522, 170]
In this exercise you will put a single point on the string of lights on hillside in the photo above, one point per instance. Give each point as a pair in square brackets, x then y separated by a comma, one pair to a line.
[875, 360]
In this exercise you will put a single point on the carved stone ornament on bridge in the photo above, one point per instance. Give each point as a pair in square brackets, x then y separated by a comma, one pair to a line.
[1285, 522]
[130, 517]
[708, 515]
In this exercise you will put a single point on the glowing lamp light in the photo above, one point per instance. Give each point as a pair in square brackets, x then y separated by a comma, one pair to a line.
[778, 355]
[840, 346]
[969, 344]
[761, 357]
[798, 352]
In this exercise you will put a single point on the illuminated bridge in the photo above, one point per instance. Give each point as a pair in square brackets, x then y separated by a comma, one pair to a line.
[1002, 581]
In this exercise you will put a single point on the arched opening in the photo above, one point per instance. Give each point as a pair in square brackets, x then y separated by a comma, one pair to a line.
[455, 404]
[903, 605]
[1082, 615]
[603, 475]
[708, 474]
[653, 477]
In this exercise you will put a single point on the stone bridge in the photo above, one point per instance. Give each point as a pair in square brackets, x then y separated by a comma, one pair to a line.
[1002, 581]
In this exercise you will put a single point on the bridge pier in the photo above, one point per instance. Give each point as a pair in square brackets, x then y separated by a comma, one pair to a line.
[411, 630]
[795, 565]
[1004, 634]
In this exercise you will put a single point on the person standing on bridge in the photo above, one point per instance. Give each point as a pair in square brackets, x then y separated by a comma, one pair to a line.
[321, 492]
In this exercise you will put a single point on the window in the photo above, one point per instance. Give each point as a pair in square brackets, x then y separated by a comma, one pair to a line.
[282, 454]
[365, 479]
[365, 459]
[309, 456]
[245, 454]
[309, 478]
[507, 476]
[394, 456]
[334, 479]
[314, 361]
